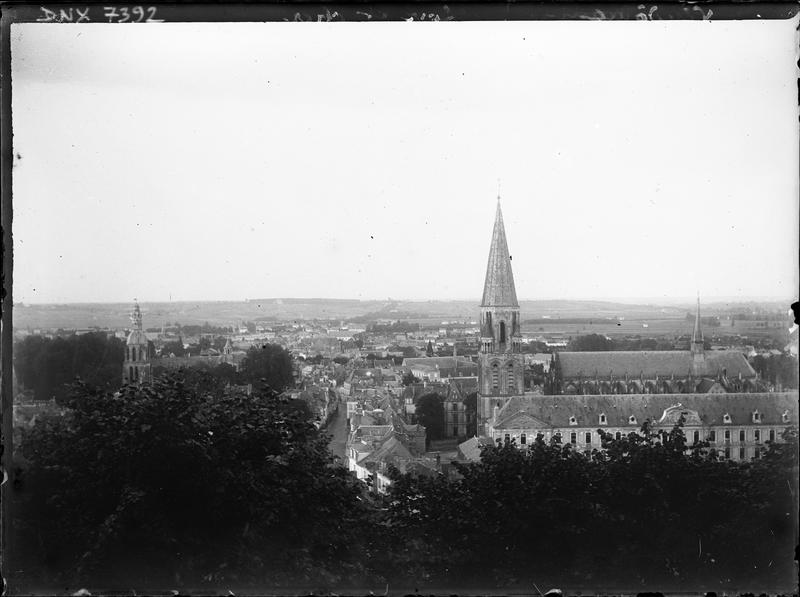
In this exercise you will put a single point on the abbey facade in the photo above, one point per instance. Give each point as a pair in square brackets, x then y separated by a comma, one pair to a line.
[717, 392]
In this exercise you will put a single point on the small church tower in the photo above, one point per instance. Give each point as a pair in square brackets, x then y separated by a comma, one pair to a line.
[136, 368]
[501, 365]
[696, 346]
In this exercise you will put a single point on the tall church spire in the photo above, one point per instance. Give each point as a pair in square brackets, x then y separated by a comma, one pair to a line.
[500, 362]
[498, 289]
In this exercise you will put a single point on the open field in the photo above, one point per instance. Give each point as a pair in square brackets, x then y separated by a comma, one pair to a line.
[609, 318]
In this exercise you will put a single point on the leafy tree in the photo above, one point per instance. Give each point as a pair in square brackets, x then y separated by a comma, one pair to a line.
[471, 408]
[591, 342]
[48, 365]
[429, 349]
[429, 410]
[341, 360]
[647, 510]
[182, 482]
[409, 378]
[270, 362]
[227, 372]
[174, 347]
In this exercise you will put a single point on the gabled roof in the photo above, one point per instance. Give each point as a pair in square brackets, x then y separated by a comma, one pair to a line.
[652, 363]
[556, 411]
[388, 451]
[498, 288]
[471, 449]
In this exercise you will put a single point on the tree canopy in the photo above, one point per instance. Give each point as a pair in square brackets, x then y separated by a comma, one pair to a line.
[591, 342]
[185, 482]
[429, 410]
[270, 362]
[644, 512]
[48, 365]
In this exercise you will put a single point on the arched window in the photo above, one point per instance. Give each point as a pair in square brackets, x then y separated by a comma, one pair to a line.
[136, 372]
[502, 332]
[130, 373]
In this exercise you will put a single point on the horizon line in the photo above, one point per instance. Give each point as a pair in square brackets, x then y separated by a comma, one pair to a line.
[623, 300]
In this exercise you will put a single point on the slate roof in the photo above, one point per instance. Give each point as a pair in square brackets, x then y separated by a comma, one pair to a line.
[442, 362]
[498, 289]
[652, 363]
[529, 411]
[471, 449]
[465, 385]
[388, 451]
[373, 431]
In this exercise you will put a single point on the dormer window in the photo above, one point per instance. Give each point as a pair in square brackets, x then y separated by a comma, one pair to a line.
[756, 417]
[785, 416]
[726, 418]
[632, 420]
[573, 421]
[603, 420]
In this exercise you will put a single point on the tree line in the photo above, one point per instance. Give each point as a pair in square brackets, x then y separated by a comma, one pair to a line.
[47, 366]
[599, 342]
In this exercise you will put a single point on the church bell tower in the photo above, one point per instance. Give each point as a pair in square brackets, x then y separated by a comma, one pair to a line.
[136, 368]
[501, 365]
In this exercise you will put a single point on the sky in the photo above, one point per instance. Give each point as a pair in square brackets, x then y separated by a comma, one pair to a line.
[226, 161]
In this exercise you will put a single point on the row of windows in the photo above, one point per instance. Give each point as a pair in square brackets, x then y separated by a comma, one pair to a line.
[756, 416]
[712, 436]
[742, 435]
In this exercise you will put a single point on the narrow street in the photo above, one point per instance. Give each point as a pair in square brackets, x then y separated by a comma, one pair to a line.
[337, 429]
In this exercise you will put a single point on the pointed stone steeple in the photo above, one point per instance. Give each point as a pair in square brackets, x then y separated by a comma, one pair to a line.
[500, 362]
[697, 333]
[498, 289]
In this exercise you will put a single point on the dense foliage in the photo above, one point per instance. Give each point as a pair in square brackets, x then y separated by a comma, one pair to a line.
[777, 369]
[46, 366]
[429, 411]
[188, 484]
[643, 513]
[184, 482]
[599, 342]
[269, 362]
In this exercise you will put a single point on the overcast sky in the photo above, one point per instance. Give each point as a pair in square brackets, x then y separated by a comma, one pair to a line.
[361, 160]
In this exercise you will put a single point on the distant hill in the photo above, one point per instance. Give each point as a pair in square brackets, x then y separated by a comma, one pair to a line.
[115, 315]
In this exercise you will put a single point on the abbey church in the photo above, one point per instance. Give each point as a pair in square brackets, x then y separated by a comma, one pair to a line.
[716, 392]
